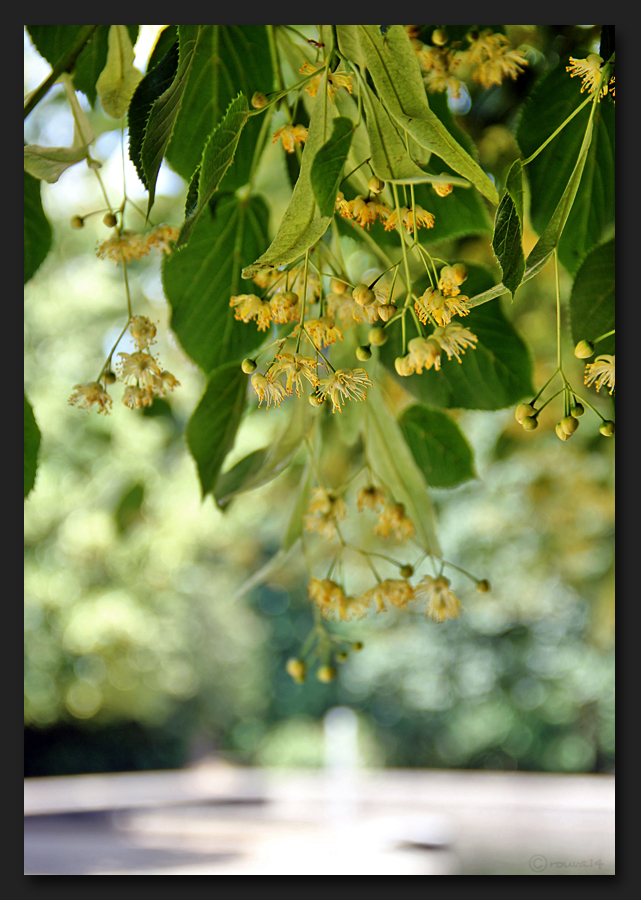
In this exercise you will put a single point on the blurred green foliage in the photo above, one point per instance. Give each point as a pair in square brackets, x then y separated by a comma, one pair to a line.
[138, 654]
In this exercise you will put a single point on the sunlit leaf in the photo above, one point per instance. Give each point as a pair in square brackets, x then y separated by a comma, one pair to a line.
[302, 224]
[48, 163]
[397, 77]
[54, 41]
[328, 164]
[119, 78]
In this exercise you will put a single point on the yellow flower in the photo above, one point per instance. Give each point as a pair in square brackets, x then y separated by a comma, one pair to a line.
[342, 205]
[492, 59]
[344, 384]
[335, 80]
[442, 188]
[611, 87]
[423, 354]
[454, 339]
[135, 397]
[450, 278]
[439, 65]
[142, 331]
[126, 247]
[141, 367]
[419, 216]
[439, 307]
[92, 394]
[284, 308]
[296, 367]
[393, 519]
[323, 331]
[589, 71]
[442, 603]
[168, 383]
[332, 602]
[349, 311]
[162, 236]
[267, 389]
[249, 306]
[370, 497]
[396, 592]
[323, 512]
[600, 372]
[290, 136]
[366, 211]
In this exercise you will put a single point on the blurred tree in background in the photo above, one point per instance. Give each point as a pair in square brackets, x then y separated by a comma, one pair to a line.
[141, 651]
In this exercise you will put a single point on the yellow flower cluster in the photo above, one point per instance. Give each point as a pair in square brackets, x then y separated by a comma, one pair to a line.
[489, 56]
[600, 372]
[324, 511]
[128, 245]
[290, 135]
[589, 71]
[140, 370]
[335, 80]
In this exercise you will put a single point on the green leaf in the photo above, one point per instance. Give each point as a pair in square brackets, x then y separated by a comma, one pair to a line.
[48, 163]
[157, 80]
[390, 158]
[507, 241]
[228, 59]
[592, 298]
[164, 43]
[498, 373]
[438, 446]
[302, 224]
[31, 447]
[572, 179]
[119, 78]
[396, 468]
[164, 110]
[327, 167]
[262, 466]
[200, 280]
[217, 157]
[37, 230]
[127, 512]
[463, 212]
[397, 77]
[211, 431]
[53, 42]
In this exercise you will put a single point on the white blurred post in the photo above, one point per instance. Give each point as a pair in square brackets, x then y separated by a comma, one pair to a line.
[342, 760]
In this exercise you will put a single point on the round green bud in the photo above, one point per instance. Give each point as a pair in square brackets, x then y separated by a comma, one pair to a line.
[607, 429]
[341, 656]
[297, 669]
[439, 37]
[407, 571]
[569, 424]
[375, 184]
[386, 311]
[110, 220]
[337, 286]
[377, 336]
[316, 400]
[562, 435]
[326, 673]
[291, 297]
[259, 101]
[357, 645]
[77, 222]
[584, 349]
[577, 410]
[109, 377]
[530, 424]
[363, 353]
[248, 366]
[363, 296]
[483, 586]
[523, 411]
